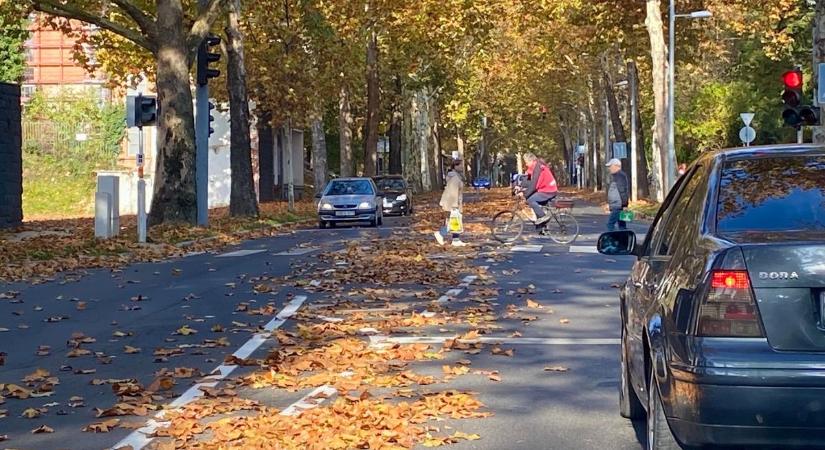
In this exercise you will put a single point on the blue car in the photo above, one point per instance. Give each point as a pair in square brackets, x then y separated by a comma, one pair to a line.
[482, 183]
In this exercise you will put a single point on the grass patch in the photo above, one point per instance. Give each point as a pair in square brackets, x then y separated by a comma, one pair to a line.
[59, 187]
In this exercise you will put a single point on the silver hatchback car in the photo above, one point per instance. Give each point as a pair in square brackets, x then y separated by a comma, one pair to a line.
[350, 200]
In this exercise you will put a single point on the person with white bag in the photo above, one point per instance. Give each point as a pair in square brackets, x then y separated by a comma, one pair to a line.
[451, 203]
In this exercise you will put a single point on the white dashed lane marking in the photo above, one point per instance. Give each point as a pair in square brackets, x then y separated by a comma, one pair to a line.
[139, 439]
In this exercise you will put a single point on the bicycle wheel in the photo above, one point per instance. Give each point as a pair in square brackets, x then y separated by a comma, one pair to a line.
[563, 228]
[507, 226]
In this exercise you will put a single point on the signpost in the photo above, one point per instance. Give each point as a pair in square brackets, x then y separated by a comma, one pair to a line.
[141, 111]
[747, 134]
[620, 150]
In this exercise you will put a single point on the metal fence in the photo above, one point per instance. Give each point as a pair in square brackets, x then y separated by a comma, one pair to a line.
[52, 138]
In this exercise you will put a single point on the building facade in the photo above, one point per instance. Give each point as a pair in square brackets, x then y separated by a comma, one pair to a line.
[50, 63]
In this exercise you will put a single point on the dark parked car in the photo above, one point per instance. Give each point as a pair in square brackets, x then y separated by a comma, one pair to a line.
[397, 195]
[350, 200]
[723, 316]
[482, 183]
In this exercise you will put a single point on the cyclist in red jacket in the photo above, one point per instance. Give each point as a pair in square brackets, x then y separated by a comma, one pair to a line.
[540, 187]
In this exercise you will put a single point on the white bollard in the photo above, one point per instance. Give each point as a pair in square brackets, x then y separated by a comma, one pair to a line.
[103, 215]
[110, 184]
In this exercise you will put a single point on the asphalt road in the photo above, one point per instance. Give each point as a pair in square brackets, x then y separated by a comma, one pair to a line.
[144, 305]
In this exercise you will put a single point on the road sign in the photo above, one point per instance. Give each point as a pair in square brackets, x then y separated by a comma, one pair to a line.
[820, 96]
[140, 160]
[580, 149]
[747, 135]
[620, 150]
[747, 118]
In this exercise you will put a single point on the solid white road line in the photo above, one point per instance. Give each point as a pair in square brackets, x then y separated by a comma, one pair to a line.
[296, 251]
[379, 340]
[138, 439]
[238, 253]
[583, 249]
[527, 248]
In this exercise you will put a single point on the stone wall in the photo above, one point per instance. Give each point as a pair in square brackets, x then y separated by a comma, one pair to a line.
[11, 157]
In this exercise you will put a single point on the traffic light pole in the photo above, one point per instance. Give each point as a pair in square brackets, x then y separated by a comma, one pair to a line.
[202, 154]
[141, 191]
[202, 147]
[634, 171]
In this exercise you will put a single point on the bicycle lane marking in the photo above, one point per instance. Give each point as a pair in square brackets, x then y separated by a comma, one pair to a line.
[139, 439]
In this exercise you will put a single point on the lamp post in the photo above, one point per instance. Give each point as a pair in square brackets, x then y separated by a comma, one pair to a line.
[670, 173]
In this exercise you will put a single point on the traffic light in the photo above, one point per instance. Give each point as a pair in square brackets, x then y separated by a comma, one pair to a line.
[141, 111]
[792, 98]
[809, 115]
[205, 58]
[211, 118]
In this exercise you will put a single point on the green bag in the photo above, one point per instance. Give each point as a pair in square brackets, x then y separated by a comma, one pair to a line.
[626, 216]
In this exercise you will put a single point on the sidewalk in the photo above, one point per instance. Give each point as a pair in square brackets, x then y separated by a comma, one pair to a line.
[37, 251]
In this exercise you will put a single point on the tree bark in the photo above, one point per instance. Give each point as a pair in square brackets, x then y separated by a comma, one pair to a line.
[395, 141]
[411, 148]
[371, 141]
[613, 106]
[319, 152]
[242, 201]
[174, 198]
[266, 158]
[437, 164]
[643, 183]
[819, 58]
[421, 136]
[345, 125]
[658, 54]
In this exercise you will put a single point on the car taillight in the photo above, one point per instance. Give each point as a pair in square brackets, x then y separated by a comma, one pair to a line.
[729, 309]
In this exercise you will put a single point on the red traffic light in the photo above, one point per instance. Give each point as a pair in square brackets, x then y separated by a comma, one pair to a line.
[792, 79]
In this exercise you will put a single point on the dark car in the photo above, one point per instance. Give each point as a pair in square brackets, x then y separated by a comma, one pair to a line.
[723, 336]
[482, 183]
[397, 194]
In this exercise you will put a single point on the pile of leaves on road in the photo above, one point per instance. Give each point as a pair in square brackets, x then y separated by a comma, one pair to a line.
[39, 250]
[381, 401]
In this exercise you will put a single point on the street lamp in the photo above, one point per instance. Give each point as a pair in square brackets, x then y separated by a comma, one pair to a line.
[670, 174]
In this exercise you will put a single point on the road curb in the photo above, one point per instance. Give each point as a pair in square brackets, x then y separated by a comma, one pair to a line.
[241, 234]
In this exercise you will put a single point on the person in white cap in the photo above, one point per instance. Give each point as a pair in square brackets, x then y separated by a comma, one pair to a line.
[617, 194]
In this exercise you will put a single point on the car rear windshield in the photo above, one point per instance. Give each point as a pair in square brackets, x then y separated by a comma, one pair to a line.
[391, 184]
[350, 187]
[775, 194]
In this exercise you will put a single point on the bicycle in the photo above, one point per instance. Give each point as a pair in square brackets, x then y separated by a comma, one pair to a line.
[508, 225]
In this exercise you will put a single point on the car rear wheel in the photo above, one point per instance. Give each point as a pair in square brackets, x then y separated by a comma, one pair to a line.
[659, 436]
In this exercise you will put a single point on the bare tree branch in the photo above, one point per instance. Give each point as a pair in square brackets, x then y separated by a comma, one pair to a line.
[206, 17]
[63, 10]
[143, 20]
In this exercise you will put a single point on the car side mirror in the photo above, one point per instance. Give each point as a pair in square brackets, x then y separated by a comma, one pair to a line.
[318, 196]
[617, 243]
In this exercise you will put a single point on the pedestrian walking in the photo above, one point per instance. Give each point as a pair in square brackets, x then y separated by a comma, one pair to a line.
[617, 194]
[451, 203]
